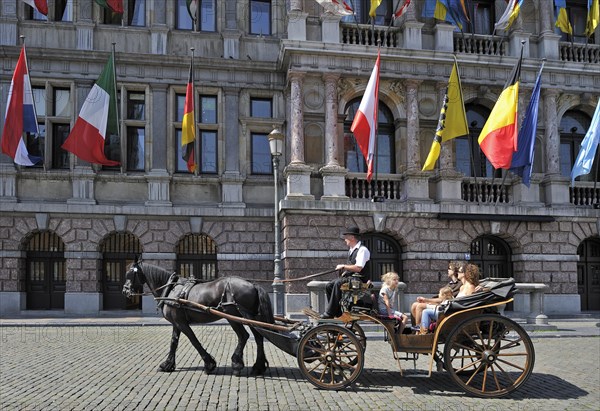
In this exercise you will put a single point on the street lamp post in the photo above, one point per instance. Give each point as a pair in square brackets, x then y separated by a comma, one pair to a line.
[276, 147]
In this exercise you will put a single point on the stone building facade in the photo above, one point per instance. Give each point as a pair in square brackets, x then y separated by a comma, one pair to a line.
[68, 229]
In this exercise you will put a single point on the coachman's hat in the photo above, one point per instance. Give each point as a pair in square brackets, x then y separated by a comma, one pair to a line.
[352, 231]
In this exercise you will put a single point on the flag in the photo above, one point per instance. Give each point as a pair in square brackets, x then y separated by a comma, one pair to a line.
[20, 115]
[364, 125]
[451, 11]
[337, 7]
[112, 5]
[593, 17]
[587, 153]
[401, 10]
[373, 9]
[97, 118]
[192, 8]
[510, 14]
[41, 6]
[188, 124]
[522, 160]
[498, 138]
[562, 18]
[453, 118]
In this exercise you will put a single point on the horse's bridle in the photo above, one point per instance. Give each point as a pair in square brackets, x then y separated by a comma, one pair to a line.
[138, 274]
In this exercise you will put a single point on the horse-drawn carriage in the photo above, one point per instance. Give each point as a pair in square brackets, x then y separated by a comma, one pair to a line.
[485, 353]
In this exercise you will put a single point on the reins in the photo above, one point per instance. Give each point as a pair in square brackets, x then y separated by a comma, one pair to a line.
[289, 280]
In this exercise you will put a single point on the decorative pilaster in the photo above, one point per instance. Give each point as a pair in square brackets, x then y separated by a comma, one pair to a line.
[8, 23]
[330, 28]
[412, 125]
[444, 37]
[8, 183]
[232, 181]
[412, 38]
[83, 185]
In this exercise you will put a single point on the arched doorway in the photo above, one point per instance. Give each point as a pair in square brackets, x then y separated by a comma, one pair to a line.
[588, 274]
[45, 272]
[197, 257]
[119, 250]
[493, 256]
[385, 255]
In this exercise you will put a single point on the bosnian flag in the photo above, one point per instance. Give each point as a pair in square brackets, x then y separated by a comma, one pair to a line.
[97, 118]
[41, 6]
[20, 115]
[364, 125]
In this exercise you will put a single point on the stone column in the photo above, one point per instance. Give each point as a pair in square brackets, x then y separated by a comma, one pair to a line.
[334, 176]
[549, 41]
[444, 37]
[158, 178]
[297, 173]
[556, 186]
[232, 180]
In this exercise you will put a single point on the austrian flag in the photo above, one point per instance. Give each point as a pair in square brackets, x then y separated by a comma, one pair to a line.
[364, 125]
[97, 118]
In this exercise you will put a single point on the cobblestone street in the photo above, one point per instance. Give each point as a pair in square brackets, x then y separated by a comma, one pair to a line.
[115, 368]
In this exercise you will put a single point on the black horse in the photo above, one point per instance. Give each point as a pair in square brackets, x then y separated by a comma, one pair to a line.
[231, 295]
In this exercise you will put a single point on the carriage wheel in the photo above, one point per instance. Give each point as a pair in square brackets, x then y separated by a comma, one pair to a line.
[358, 332]
[489, 355]
[330, 357]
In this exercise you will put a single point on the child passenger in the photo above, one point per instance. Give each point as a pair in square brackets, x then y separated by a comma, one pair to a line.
[431, 314]
[388, 301]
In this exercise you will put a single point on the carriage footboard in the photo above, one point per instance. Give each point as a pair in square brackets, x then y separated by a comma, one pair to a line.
[285, 341]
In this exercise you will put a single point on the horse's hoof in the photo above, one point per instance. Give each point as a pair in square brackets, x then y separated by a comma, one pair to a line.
[167, 367]
[258, 369]
[237, 373]
[210, 366]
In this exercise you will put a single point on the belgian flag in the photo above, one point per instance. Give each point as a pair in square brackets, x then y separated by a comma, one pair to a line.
[188, 124]
[498, 138]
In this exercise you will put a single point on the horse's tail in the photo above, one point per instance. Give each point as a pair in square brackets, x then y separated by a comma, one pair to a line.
[265, 308]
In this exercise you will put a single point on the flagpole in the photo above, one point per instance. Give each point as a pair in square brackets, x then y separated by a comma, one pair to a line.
[377, 198]
[194, 116]
[116, 103]
[356, 22]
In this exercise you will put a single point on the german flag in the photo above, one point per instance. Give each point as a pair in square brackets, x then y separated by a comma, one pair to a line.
[498, 138]
[188, 124]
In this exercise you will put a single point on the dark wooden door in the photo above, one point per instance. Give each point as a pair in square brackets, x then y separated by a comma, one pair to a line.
[45, 284]
[588, 275]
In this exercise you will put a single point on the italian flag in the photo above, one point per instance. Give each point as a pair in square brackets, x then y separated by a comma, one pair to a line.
[97, 118]
[114, 5]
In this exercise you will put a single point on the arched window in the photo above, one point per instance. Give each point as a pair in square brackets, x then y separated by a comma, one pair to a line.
[493, 256]
[119, 250]
[197, 257]
[385, 255]
[573, 127]
[588, 274]
[45, 272]
[470, 160]
[385, 161]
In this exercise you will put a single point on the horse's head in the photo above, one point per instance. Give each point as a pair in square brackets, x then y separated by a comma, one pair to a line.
[134, 280]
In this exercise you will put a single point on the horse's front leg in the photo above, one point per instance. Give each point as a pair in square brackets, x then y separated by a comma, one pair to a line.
[169, 364]
[237, 359]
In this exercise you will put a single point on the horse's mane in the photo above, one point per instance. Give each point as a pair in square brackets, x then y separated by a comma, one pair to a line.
[155, 274]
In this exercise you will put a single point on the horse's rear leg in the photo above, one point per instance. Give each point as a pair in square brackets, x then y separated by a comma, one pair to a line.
[261, 364]
[209, 362]
[169, 364]
[237, 359]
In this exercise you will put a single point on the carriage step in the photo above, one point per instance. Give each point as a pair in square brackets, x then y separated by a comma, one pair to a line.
[309, 312]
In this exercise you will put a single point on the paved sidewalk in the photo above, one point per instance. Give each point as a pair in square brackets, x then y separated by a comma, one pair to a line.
[587, 325]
